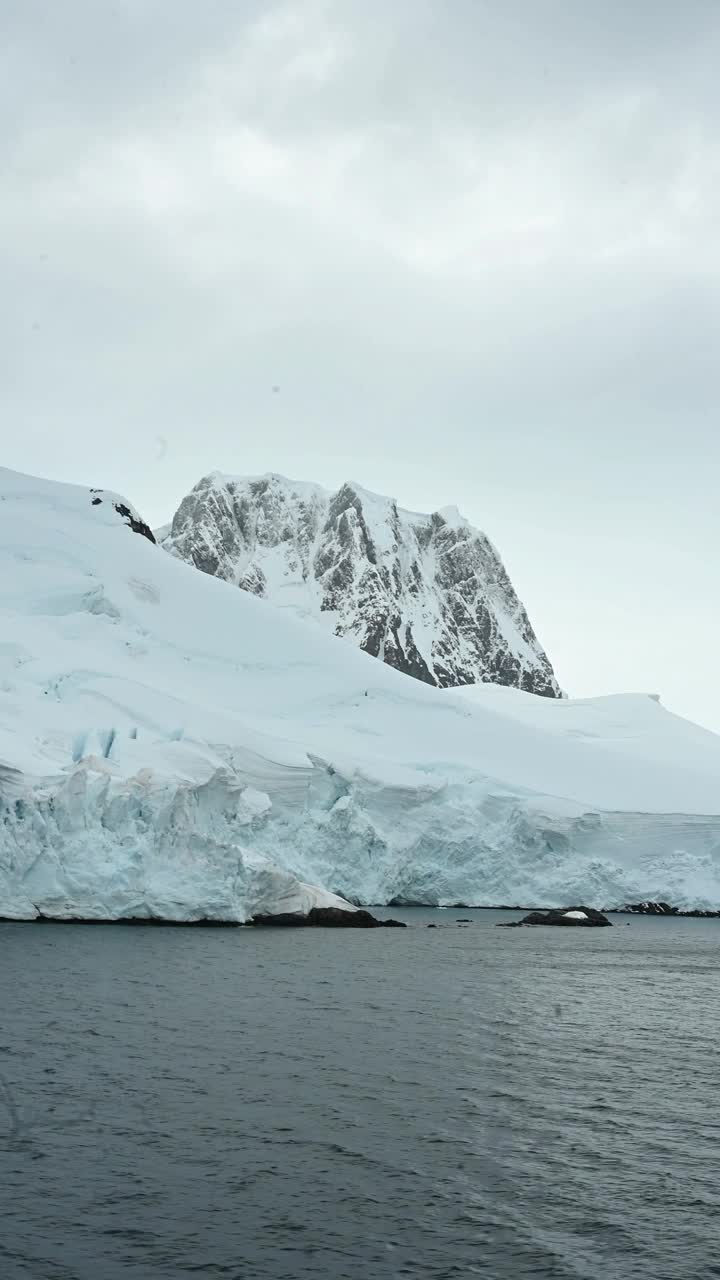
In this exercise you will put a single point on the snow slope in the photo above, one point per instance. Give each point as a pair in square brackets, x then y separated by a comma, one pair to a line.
[426, 593]
[172, 746]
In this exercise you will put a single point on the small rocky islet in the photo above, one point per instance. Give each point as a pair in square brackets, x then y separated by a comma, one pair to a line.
[572, 917]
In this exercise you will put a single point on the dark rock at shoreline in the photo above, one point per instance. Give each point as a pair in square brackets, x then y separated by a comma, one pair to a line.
[664, 909]
[711, 915]
[583, 917]
[650, 908]
[332, 917]
[162, 922]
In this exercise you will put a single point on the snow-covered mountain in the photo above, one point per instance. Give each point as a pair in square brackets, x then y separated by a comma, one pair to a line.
[172, 746]
[426, 593]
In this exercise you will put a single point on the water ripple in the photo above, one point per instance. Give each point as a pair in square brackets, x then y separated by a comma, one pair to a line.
[460, 1102]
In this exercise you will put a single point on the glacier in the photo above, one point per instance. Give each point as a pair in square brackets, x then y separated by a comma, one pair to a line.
[171, 747]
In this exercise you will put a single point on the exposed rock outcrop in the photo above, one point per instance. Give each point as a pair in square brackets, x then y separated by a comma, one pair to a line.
[427, 594]
[332, 917]
[582, 917]
[130, 516]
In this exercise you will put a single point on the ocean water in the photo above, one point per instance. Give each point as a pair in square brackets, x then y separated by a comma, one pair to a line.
[274, 1105]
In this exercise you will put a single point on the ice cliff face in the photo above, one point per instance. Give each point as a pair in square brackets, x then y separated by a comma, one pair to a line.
[426, 593]
[171, 746]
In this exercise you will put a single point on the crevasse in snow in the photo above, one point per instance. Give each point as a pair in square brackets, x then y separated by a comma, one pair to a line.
[171, 746]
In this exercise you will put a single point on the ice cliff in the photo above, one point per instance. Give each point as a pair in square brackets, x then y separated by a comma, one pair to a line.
[426, 593]
[172, 746]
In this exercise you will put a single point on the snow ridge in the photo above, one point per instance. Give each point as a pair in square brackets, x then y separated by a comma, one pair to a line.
[428, 594]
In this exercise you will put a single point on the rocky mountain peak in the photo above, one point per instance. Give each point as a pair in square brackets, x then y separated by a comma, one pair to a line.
[427, 594]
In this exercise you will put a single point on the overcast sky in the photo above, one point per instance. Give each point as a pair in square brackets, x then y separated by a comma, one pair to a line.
[474, 244]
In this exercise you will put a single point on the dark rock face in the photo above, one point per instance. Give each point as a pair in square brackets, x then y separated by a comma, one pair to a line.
[333, 917]
[427, 594]
[137, 526]
[130, 517]
[582, 917]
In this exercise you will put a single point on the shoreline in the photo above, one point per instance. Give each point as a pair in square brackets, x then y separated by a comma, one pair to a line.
[673, 913]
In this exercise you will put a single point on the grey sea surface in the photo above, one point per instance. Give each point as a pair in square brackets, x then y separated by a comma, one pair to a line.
[282, 1104]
